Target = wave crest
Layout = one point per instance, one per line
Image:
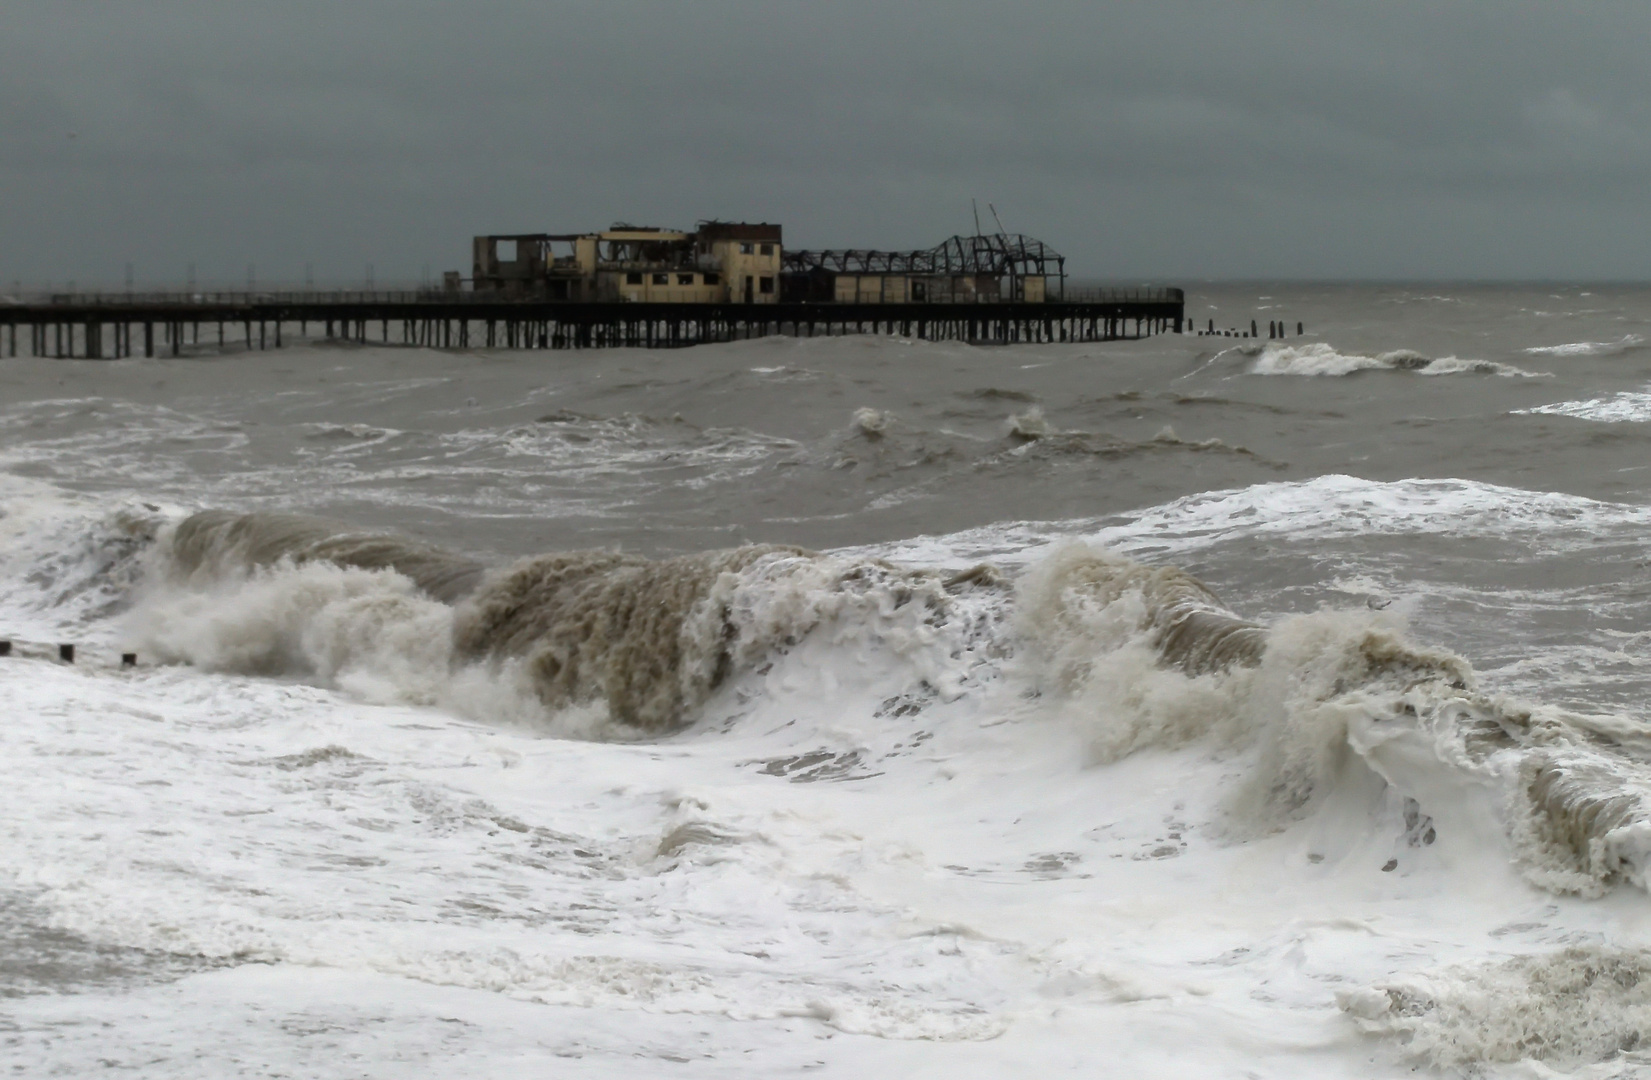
(615, 645)
(1319, 358)
(212, 543)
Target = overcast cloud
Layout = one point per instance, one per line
(1165, 141)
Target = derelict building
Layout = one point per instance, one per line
(741, 262)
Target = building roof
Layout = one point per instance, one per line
(1001, 254)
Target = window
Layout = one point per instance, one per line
(685, 279)
(745, 249)
(662, 279)
(505, 251)
(768, 249)
(713, 279)
(765, 284)
(633, 278)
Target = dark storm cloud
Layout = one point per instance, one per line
(1167, 140)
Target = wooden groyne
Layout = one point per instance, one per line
(112, 326)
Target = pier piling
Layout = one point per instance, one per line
(445, 322)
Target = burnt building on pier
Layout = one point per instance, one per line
(739, 262)
(964, 270)
(718, 263)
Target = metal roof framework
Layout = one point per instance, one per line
(1000, 255)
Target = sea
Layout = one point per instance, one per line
(1206, 705)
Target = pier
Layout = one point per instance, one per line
(107, 326)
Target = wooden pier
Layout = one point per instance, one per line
(110, 326)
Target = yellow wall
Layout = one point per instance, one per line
(737, 266)
(612, 285)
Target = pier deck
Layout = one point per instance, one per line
(115, 325)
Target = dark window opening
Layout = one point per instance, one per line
(765, 285)
(662, 279)
(713, 279)
(768, 249)
(685, 279)
(745, 249)
(633, 278)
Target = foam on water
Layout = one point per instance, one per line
(1623, 407)
(1320, 358)
(1590, 348)
(390, 841)
(1576, 1007)
(830, 789)
(639, 646)
(1324, 508)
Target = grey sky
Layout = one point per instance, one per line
(1167, 141)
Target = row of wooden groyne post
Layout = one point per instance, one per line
(65, 653)
(1276, 330)
(113, 327)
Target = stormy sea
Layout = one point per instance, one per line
(1203, 705)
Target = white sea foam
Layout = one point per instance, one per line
(1590, 348)
(1623, 407)
(870, 423)
(1327, 507)
(1570, 1008)
(974, 823)
(1028, 425)
(1319, 358)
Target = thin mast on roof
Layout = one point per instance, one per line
(976, 208)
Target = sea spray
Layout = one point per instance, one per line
(610, 644)
(212, 543)
(1147, 656)
(370, 632)
(642, 643)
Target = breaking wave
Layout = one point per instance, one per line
(1310, 713)
(1147, 656)
(1033, 436)
(213, 543)
(611, 645)
(1318, 358)
(1590, 348)
(617, 641)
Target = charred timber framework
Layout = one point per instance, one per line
(112, 327)
(1001, 255)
